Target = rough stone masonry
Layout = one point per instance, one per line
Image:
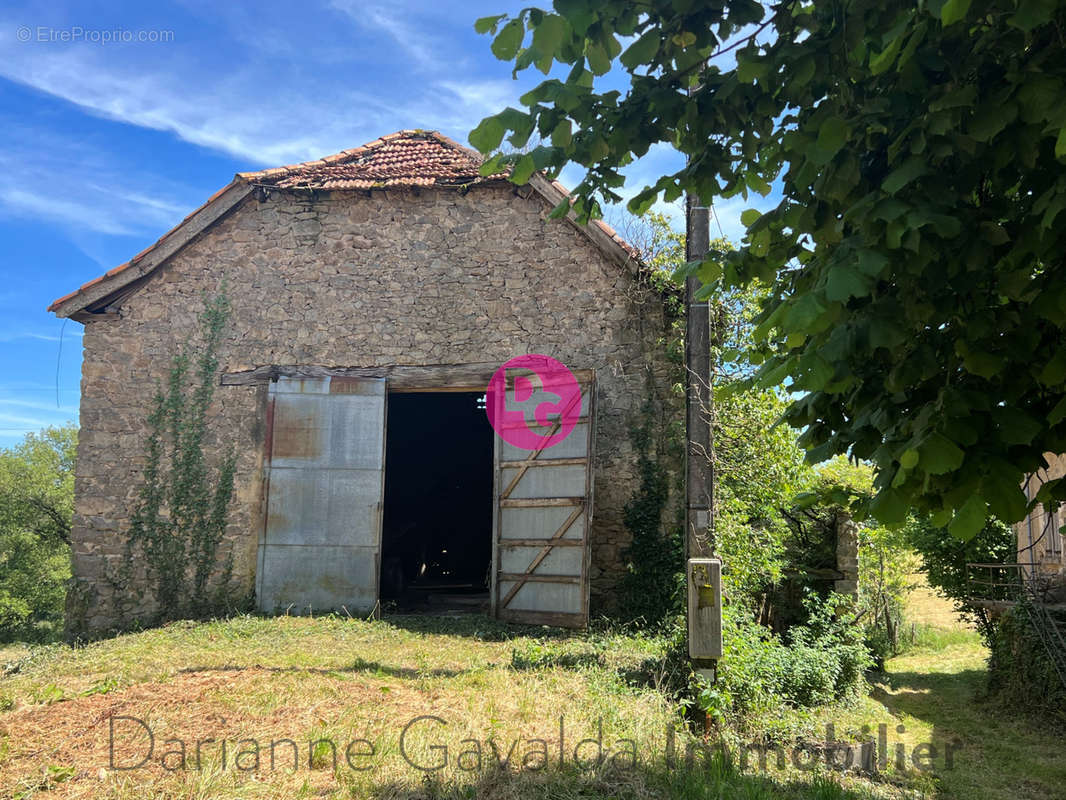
(357, 279)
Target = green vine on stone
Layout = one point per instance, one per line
(182, 509)
(652, 589)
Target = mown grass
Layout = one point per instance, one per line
(481, 696)
(467, 685)
(936, 690)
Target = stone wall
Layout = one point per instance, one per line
(356, 280)
(1040, 541)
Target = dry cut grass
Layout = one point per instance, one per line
(290, 707)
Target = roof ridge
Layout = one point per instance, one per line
(349, 155)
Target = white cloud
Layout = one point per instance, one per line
(269, 121)
(34, 405)
(11, 336)
(68, 181)
(22, 422)
(45, 205)
(420, 47)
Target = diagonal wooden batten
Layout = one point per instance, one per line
(577, 512)
(536, 453)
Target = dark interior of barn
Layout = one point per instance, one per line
(437, 526)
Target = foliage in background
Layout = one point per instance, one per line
(887, 559)
(776, 550)
(945, 559)
(887, 563)
(759, 470)
(181, 515)
(36, 507)
(918, 304)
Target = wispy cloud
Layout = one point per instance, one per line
(14, 336)
(38, 205)
(292, 115)
(9, 402)
(419, 46)
(74, 183)
(26, 423)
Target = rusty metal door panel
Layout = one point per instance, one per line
(307, 580)
(322, 507)
(544, 506)
(320, 546)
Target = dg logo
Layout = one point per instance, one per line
(533, 402)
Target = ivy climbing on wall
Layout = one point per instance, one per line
(653, 588)
(182, 509)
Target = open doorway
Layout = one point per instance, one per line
(437, 526)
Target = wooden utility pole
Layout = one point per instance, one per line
(699, 471)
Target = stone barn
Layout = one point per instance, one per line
(373, 295)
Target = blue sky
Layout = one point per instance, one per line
(108, 144)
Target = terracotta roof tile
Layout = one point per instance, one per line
(407, 158)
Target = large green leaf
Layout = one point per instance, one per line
(832, 134)
(486, 24)
(912, 168)
(488, 135)
(1054, 372)
(599, 61)
(750, 68)
(1032, 14)
(1017, 427)
(750, 216)
(939, 455)
(843, 283)
(1005, 499)
(889, 506)
(523, 169)
(1058, 413)
(550, 34)
(969, 519)
(643, 50)
(505, 45)
(953, 10)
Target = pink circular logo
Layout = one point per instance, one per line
(533, 402)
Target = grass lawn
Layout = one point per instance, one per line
(330, 700)
(935, 691)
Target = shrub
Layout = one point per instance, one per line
(821, 662)
(1020, 672)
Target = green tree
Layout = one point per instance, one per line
(36, 507)
(945, 561)
(918, 304)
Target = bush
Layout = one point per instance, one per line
(820, 662)
(1020, 672)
